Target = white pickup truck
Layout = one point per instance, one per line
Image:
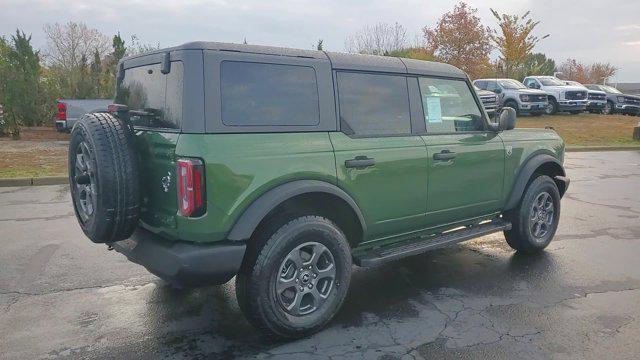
(562, 97)
(71, 110)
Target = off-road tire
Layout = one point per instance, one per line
(255, 282)
(113, 175)
(521, 237)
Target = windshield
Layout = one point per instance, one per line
(551, 81)
(511, 84)
(610, 90)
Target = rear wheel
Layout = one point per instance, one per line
(103, 175)
(535, 220)
(295, 277)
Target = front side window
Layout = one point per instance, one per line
(512, 84)
(373, 104)
(492, 86)
(449, 106)
(551, 81)
(259, 94)
(610, 90)
(154, 99)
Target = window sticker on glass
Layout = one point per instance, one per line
(434, 109)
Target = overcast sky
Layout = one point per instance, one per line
(588, 30)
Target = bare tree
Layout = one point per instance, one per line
(68, 44)
(596, 73)
(378, 39)
(600, 72)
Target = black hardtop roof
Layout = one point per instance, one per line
(341, 61)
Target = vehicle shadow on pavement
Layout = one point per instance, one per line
(207, 321)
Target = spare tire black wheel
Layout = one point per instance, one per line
(104, 178)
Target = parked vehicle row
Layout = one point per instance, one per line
(549, 95)
(617, 102)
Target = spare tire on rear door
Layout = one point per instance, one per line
(103, 174)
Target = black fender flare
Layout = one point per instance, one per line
(253, 215)
(522, 179)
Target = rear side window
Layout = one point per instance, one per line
(373, 104)
(154, 99)
(258, 94)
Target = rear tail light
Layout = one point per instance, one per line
(62, 111)
(191, 187)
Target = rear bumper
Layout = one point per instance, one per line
(183, 263)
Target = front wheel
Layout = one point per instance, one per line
(552, 107)
(535, 220)
(608, 108)
(295, 277)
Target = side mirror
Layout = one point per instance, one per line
(497, 91)
(507, 119)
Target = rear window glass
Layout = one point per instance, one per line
(257, 94)
(373, 105)
(153, 98)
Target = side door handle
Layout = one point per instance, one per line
(444, 155)
(360, 162)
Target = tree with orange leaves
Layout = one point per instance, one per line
(461, 40)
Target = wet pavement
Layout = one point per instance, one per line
(63, 297)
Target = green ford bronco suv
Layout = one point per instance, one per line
(284, 167)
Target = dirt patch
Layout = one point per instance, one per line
(22, 158)
(42, 133)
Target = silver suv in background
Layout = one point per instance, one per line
(562, 97)
(489, 101)
(617, 102)
(69, 111)
(596, 100)
(512, 93)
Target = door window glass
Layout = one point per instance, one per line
(449, 106)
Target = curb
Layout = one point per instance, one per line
(36, 181)
(601, 148)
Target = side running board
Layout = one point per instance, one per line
(403, 249)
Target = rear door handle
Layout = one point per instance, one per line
(360, 162)
(444, 155)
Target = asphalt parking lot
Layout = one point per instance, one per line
(63, 297)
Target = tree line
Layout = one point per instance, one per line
(459, 38)
(78, 62)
